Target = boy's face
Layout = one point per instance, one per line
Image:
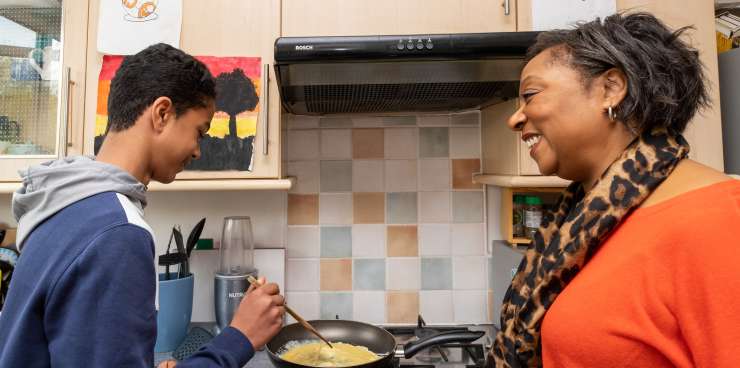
(179, 142)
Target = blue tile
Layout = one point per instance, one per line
(369, 274)
(434, 142)
(336, 176)
(336, 304)
(401, 208)
(436, 274)
(336, 242)
(467, 207)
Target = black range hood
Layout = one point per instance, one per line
(411, 73)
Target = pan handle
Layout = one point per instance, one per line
(413, 347)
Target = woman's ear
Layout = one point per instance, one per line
(615, 87)
(161, 112)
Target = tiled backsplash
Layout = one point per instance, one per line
(384, 221)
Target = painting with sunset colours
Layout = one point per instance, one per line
(228, 145)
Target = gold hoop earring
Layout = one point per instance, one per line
(610, 112)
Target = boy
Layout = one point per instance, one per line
(83, 291)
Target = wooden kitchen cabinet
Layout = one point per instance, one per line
(45, 104)
(392, 17)
(704, 133)
(549, 197)
(216, 28)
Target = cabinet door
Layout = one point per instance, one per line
(219, 28)
(392, 17)
(504, 152)
(41, 79)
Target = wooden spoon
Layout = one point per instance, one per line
(295, 315)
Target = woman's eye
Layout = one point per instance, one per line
(526, 96)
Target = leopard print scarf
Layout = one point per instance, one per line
(569, 237)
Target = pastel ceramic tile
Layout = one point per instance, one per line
(303, 145)
(402, 241)
(434, 120)
(336, 176)
(368, 143)
(490, 308)
(434, 207)
(400, 175)
(369, 208)
(468, 239)
(462, 173)
(468, 273)
(470, 306)
(436, 306)
(467, 118)
(302, 275)
(305, 303)
(303, 242)
(434, 174)
(302, 122)
(367, 122)
(402, 307)
(335, 122)
(368, 241)
(434, 142)
(464, 143)
(368, 306)
(400, 143)
(404, 273)
(336, 242)
(369, 274)
(367, 176)
(434, 240)
(436, 273)
(303, 209)
(336, 306)
(467, 207)
(271, 265)
(336, 274)
(409, 120)
(401, 208)
(336, 144)
(306, 174)
(335, 209)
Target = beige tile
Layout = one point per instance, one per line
(402, 307)
(368, 143)
(402, 241)
(303, 209)
(336, 274)
(462, 173)
(369, 208)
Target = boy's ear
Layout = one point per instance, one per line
(161, 112)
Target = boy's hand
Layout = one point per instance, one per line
(260, 314)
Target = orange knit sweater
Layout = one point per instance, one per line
(663, 290)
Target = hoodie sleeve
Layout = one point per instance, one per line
(101, 310)
(230, 349)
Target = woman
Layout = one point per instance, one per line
(637, 267)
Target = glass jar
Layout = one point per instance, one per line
(532, 215)
(518, 216)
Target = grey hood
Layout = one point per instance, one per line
(51, 186)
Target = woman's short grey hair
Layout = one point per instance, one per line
(665, 78)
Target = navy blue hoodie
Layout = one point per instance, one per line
(83, 292)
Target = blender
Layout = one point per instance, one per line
(236, 263)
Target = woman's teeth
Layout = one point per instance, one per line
(531, 141)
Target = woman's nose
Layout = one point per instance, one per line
(517, 119)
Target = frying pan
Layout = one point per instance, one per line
(372, 337)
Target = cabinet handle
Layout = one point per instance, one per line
(265, 108)
(64, 118)
(507, 7)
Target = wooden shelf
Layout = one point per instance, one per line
(199, 185)
(510, 181)
(734, 176)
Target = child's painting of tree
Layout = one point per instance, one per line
(229, 143)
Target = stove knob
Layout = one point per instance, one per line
(410, 46)
(399, 46)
